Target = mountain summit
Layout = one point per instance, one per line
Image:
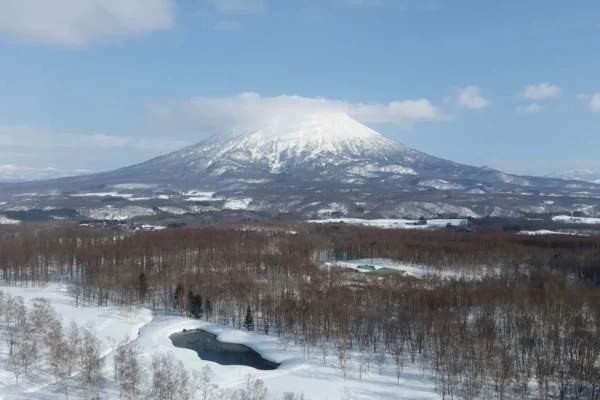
(324, 143)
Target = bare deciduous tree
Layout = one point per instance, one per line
(91, 363)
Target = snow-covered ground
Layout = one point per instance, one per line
(409, 269)
(7, 221)
(312, 376)
(131, 186)
(576, 220)
(117, 213)
(237, 204)
(112, 325)
(102, 194)
(392, 223)
(379, 264)
(546, 232)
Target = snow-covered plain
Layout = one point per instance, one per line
(112, 325)
(576, 220)
(392, 223)
(102, 194)
(237, 204)
(117, 213)
(378, 264)
(7, 221)
(410, 269)
(545, 232)
(297, 373)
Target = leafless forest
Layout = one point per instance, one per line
(524, 323)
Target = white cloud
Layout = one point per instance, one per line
(530, 108)
(470, 97)
(30, 137)
(250, 109)
(595, 103)
(247, 7)
(542, 91)
(80, 22)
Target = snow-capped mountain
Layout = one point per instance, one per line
(14, 173)
(312, 147)
(315, 164)
(587, 175)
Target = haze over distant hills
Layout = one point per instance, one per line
(314, 164)
(14, 173)
(579, 175)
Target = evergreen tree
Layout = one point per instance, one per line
(249, 321)
(178, 297)
(191, 304)
(208, 309)
(142, 288)
(198, 309)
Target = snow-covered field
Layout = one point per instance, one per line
(111, 324)
(102, 194)
(392, 223)
(7, 221)
(298, 373)
(545, 232)
(237, 204)
(576, 220)
(409, 269)
(117, 213)
(379, 264)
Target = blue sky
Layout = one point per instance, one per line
(99, 84)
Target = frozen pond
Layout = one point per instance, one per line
(209, 348)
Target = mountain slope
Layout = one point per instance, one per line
(324, 162)
(311, 147)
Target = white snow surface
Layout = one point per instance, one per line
(7, 221)
(372, 170)
(102, 194)
(110, 323)
(476, 191)
(415, 209)
(333, 207)
(284, 141)
(296, 373)
(575, 220)
(545, 232)
(392, 223)
(131, 186)
(237, 204)
(440, 184)
(173, 210)
(415, 270)
(117, 213)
